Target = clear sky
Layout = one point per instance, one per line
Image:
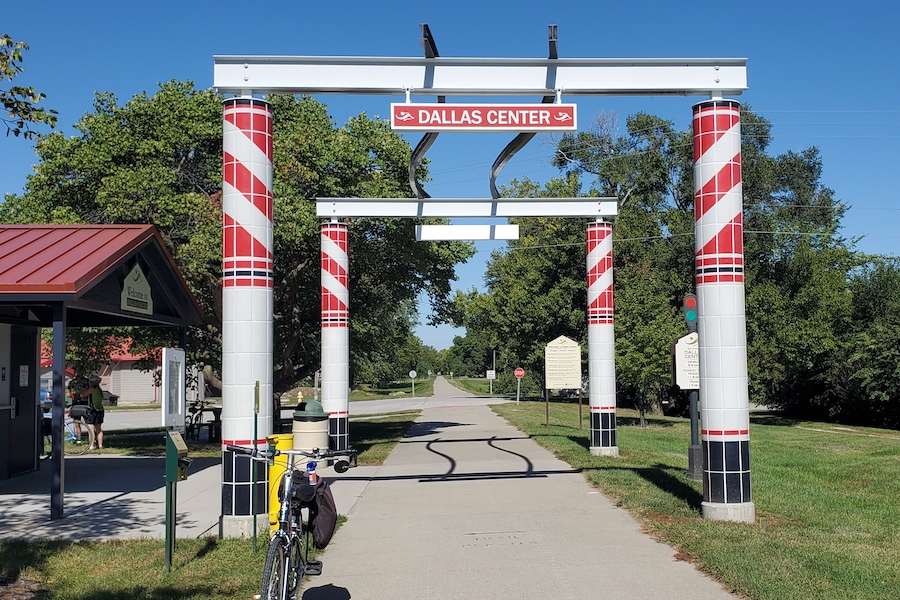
(825, 74)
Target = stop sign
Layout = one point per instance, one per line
(520, 373)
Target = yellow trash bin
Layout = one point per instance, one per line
(284, 441)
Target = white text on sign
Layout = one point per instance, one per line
(483, 117)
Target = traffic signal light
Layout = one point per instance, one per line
(689, 308)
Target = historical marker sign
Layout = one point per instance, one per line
(483, 117)
(562, 364)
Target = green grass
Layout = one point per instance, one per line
(826, 498)
(202, 569)
(207, 569)
(375, 437)
(397, 389)
(479, 387)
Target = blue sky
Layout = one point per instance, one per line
(825, 74)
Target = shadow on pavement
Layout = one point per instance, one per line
(326, 592)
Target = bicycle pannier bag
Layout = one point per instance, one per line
(325, 519)
(79, 411)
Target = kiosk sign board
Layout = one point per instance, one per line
(483, 117)
(686, 369)
(562, 364)
(174, 399)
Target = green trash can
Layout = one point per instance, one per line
(310, 429)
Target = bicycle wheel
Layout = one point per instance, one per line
(295, 568)
(275, 577)
(78, 437)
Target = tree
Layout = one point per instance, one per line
(18, 101)
(157, 159)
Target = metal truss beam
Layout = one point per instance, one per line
(478, 76)
(337, 208)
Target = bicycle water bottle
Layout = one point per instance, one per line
(311, 472)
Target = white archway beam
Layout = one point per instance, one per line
(465, 207)
(478, 76)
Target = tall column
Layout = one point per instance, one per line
(247, 304)
(601, 340)
(722, 328)
(336, 332)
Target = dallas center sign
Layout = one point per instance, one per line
(483, 117)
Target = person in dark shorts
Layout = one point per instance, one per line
(94, 419)
(77, 387)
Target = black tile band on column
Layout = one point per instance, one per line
(726, 471)
(339, 433)
(237, 483)
(603, 430)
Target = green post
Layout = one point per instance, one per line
(253, 463)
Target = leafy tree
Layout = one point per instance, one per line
(18, 101)
(158, 160)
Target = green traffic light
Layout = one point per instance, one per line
(690, 315)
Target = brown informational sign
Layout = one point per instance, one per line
(562, 364)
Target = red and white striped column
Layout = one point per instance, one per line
(335, 278)
(247, 304)
(601, 340)
(722, 328)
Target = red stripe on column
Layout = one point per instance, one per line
(729, 240)
(243, 180)
(713, 190)
(711, 128)
(238, 242)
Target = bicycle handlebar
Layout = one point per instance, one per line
(316, 454)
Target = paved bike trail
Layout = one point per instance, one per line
(467, 506)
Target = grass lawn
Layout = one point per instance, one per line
(397, 389)
(827, 500)
(202, 569)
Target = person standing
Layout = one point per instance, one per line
(94, 419)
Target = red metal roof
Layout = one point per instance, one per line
(62, 258)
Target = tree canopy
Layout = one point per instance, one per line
(821, 316)
(158, 159)
(19, 101)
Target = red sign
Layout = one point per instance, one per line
(520, 373)
(483, 117)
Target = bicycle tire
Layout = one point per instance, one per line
(275, 579)
(74, 444)
(296, 568)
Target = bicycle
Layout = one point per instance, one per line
(287, 559)
(193, 421)
(78, 438)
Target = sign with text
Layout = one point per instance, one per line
(562, 364)
(483, 117)
(686, 367)
(173, 381)
(136, 294)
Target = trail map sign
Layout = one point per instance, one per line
(562, 364)
(483, 117)
(686, 368)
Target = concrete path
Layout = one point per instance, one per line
(468, 507)
(465, 507)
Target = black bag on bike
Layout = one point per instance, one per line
(323, 515)
(320, 501)
(79, 411)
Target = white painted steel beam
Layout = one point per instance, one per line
(433, 233)
(465, 207)
(478, 76)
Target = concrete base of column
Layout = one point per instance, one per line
(741, 512)
(605, 451)
(242, 527)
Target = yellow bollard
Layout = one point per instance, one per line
(283, 441)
